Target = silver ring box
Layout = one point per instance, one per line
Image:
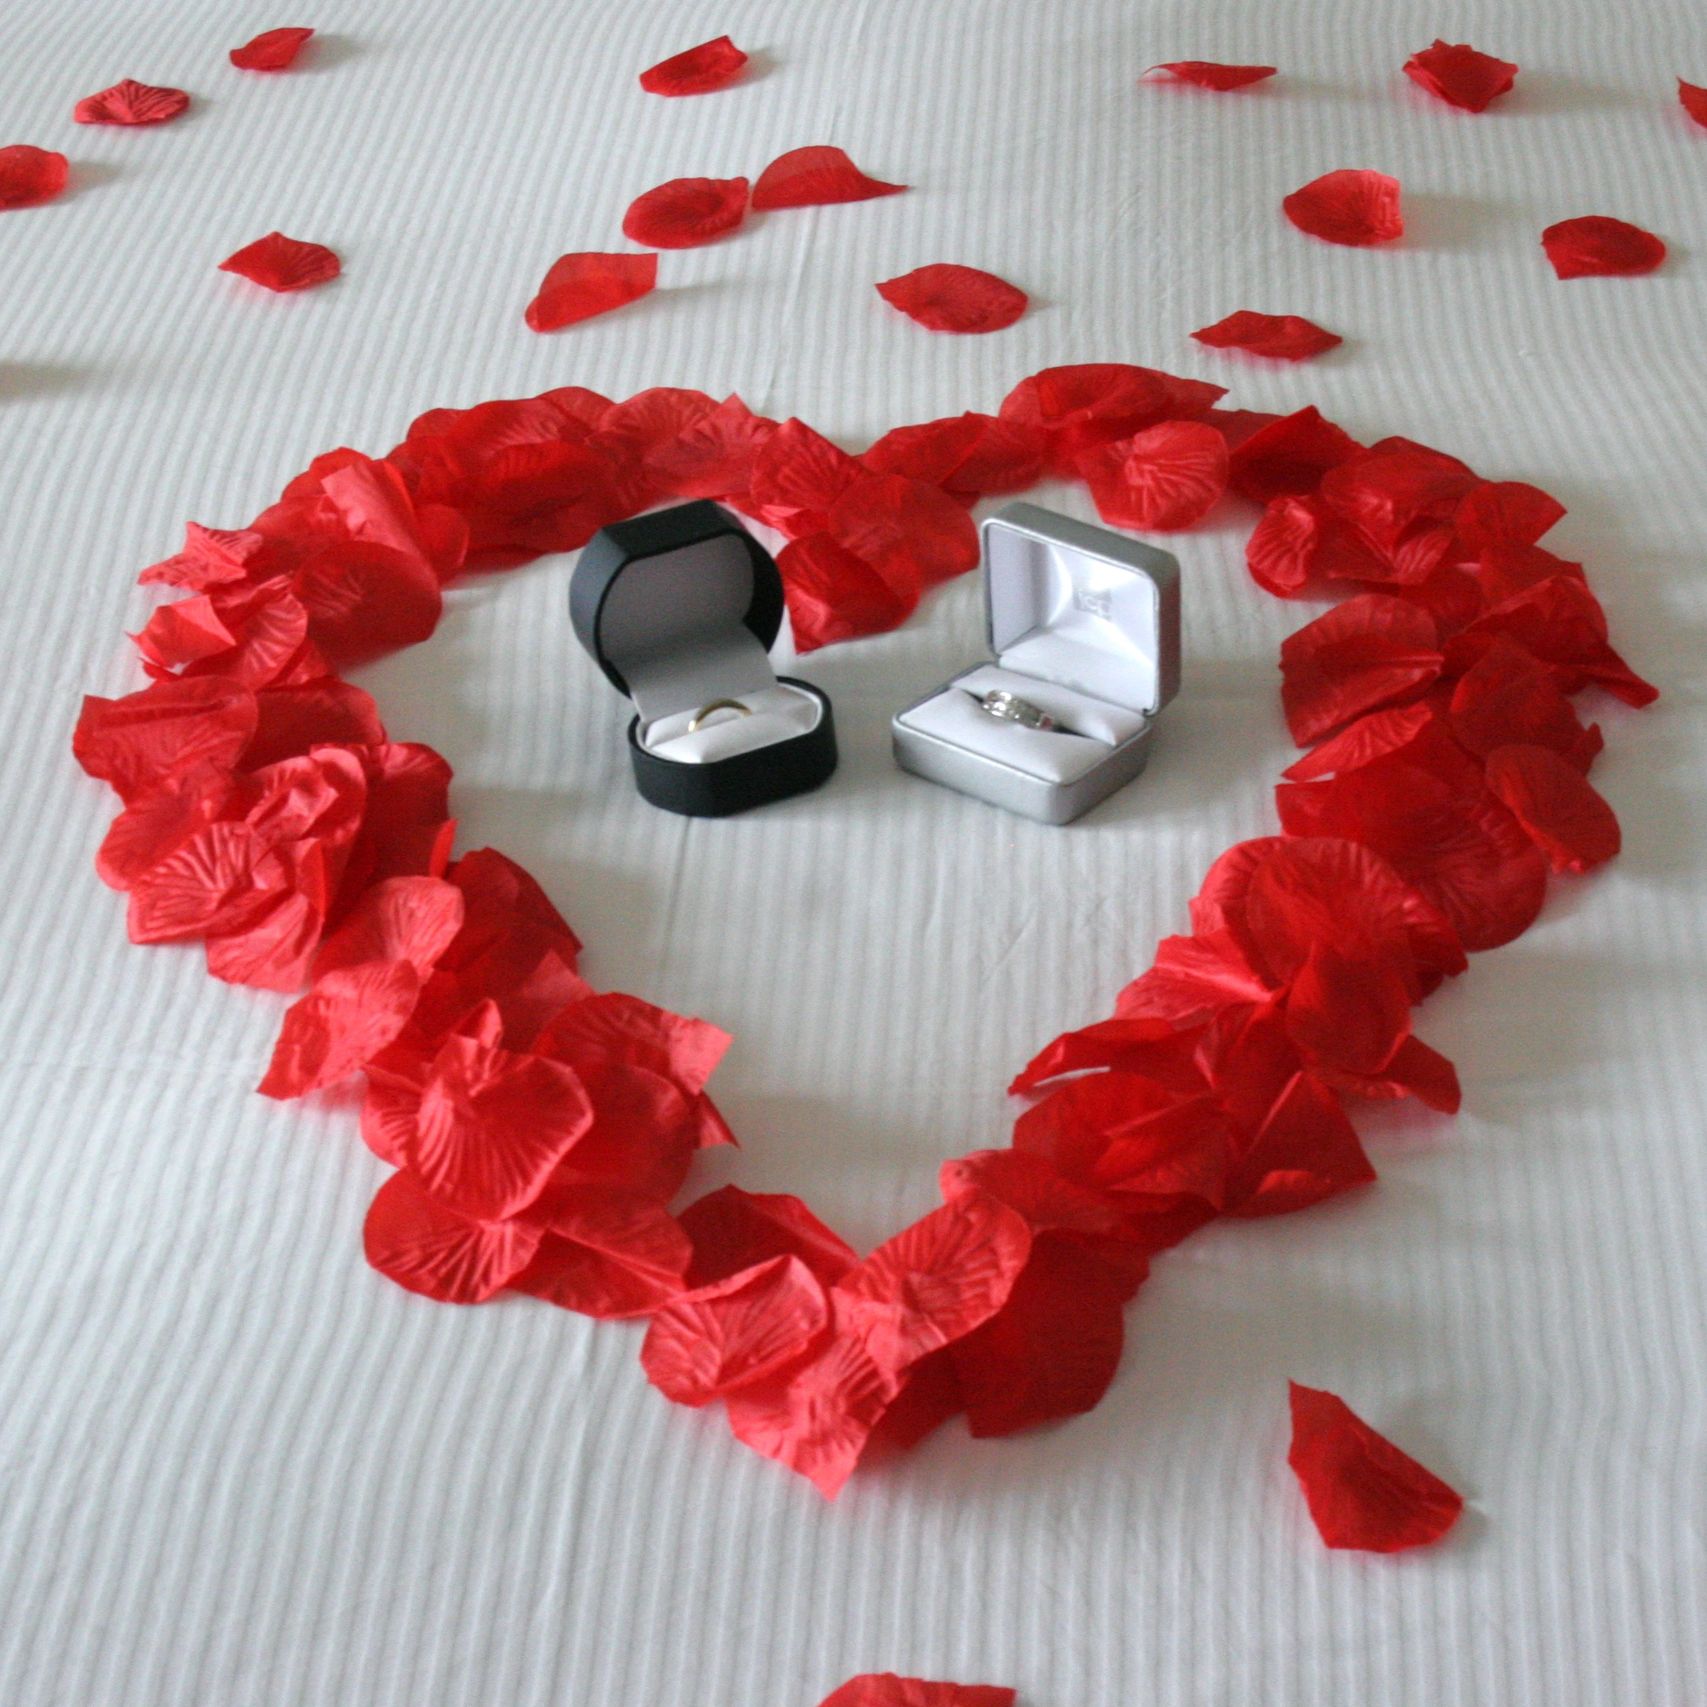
(1084, 623)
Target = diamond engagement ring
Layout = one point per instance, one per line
(717, 705)
(1010, 708)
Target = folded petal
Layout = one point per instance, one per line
(809, 177)
(1362, 1491)
(1354, 206)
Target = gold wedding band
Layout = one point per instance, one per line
(717, 705)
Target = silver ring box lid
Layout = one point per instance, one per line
(1078, 607)
(1083, 606)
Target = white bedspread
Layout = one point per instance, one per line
(238, 1469)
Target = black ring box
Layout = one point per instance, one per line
(681, 607)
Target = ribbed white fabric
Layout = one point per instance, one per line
(237, 1469)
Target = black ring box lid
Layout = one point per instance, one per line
(698, 626)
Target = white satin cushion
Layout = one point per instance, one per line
(778, 713)
(1089, 728)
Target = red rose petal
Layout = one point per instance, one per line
(819, 1420)
(427, 1247)
(686, 212)
(1507, 696)
(935, 1281)
(798, 471)
(131, 102)
(211, 557)
(1362, 654)
(1347, 1013)
(610, 1252)
(283, 263)
(1305, 1152)
(1694, 100)
(164, 731)
(696, 71)
(1505, 513)
(885, 1689)
(493, 1125)
(946, 297)
(1080, 407)
(1559, 621)
(1281, 898)
(340, 1025)
(813, 177)
(159, 822)
(1464, 851)
(1553, 801)
(1207, 74)
(1050, 1351)
(29, 176)
(1286, 337)
(1123, 1133)
(578, 286)
(713, 456)
(1596, 246)
(1363, 1492)
(751, 1327)
(732, 1230)
(835, 595)
(1287, 458)
(1164, 478)
(413, 919)
(271, 50)
(1457, 73)
(1361, 743)
(1354, 206)
(912, 533)
(311, 714)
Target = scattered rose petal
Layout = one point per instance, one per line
(428, 1247)
(1555, 803)
(29, 176)
(1354, 206)
(1164, 478)
(340, 1025)
(283, 263)
(936, 1281)
(885, 1689)
(1360, 655)
(748, 1328)
(686, 212)
(493, 1125)
(1596, 246)
(1460, 75)
(1050, 1351)
(164, 731)
(732, 1230)
(1088, 404)
(1207, 74)
(131, 103)
(1694, 100)
(696, 71)
(814, 176)
(1286, 337)
(578, 286)
(1363, 1492)
(946, 297)
(834, 594)
(610, 1252)
(1288, 457)
(271, 50)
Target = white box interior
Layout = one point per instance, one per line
(674, 626)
